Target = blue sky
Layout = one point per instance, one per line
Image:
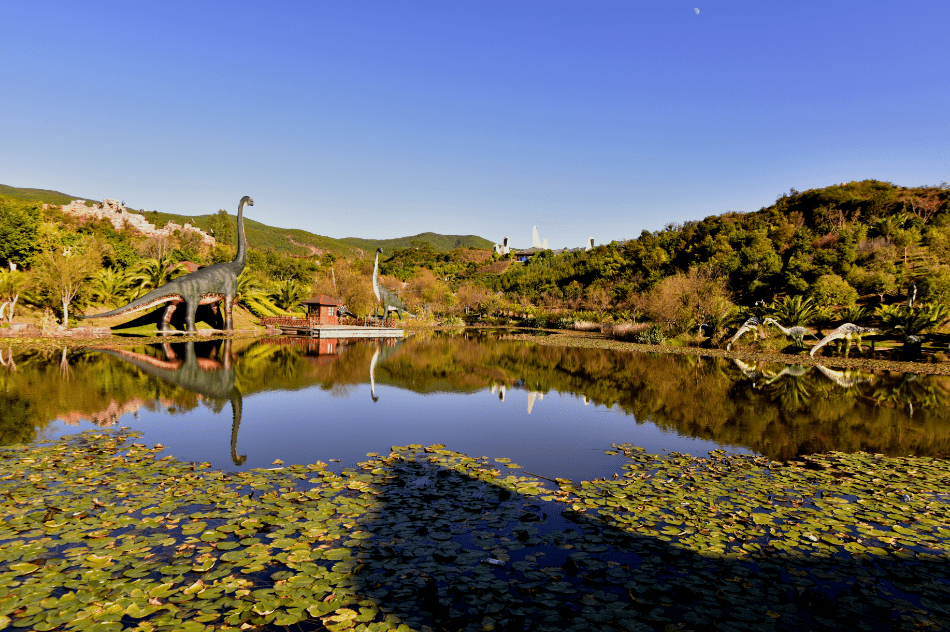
(387, 119)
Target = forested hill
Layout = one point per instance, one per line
(269, 237)
(441, 243)
(874, 234)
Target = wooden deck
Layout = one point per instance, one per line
(340, 331)
(353, 329)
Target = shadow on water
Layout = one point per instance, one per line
(211, 377)
(440, 547)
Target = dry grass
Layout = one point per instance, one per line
(586, 325)
(623, 331)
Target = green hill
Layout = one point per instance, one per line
(269, 237)
(441, 243)
(43, 196)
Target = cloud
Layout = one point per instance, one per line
(697, 11)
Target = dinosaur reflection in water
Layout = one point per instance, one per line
(209, 377)
(383, 349)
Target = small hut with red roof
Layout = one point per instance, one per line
(323, 310)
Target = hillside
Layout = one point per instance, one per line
(43, 196)
(292, 240)
(441, 243)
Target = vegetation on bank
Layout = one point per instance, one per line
(870, 253)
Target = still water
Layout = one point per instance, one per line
(552, 410)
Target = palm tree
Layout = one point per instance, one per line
(157, 272)
(114, 286)
(287, 293)
(252, 295)
(794, 311)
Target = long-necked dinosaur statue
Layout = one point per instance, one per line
(202, 287)
(206, 376)
(796, 333)
(390, 301)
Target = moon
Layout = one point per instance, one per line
(697, 11)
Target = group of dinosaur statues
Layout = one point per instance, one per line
(848, 331)
(218, 282)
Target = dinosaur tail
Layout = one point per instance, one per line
(155, 297)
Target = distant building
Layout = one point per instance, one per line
(323, 309)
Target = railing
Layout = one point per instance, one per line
(290, 321)
(295, 321)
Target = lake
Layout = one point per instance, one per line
(552, 410)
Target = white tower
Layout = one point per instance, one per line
(535, 239)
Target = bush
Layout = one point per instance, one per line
(653, 335)
(586, 325)
(936, 288)
(831, 289)
(624, 331)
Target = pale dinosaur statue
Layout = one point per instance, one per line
(846, 331)
(792, 370)
(846, 378)
(751, 324)
(390, 301)
(797, 334)
(202, 287)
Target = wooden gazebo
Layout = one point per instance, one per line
(323, 310)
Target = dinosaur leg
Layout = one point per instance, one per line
(228, 307)
(190, 316)
(167, 315)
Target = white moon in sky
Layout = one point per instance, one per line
(697, 11)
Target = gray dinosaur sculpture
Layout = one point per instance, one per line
(797, 334)
(202, 287)
(390, 301)
(211, 378)
(751, 324)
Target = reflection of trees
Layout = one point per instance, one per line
(777, 410)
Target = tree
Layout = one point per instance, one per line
(12, 283)
(115, 286)
(64, 272)
(18, 231)
(288, 294)
(222, 228)
(831, 289)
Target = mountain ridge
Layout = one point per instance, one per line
(259, 235)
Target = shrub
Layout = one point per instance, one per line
(652, 335)
(624, 331)
(831, 289)
(586, 325)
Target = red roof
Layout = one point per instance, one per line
(323, 299)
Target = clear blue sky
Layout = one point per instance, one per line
(386, 119)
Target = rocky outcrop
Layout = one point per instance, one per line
(121, 217)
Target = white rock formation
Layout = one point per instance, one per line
(115, 212)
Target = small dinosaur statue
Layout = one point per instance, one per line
(202, 287)
(848, 331)
(390, 301)
(797, 334)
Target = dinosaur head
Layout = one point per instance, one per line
(247, 199)
(379, 250)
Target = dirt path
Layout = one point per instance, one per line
(313, 249)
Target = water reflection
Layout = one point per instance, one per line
(211, 376)
(773, 409)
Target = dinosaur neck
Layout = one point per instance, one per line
(376, 278)
(241, 257)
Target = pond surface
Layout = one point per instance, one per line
(552, 410)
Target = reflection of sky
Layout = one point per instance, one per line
(562, 437)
